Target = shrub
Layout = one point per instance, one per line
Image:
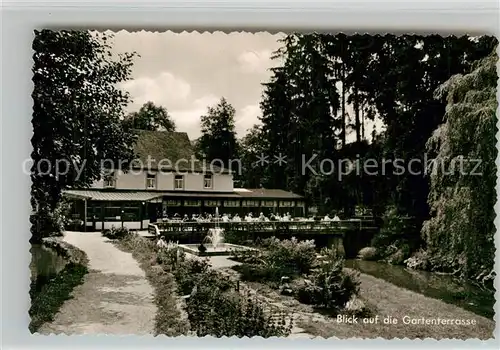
(263, 272)
(222, 312)
(419, 260)
(309, 294)
(116, 233)
(331, 286)
(216, 280)
(238, 237)
(292, 254)
(170, 256)
(399, 255)
(368, 253)
(277, 258)
(336, 286)
(248, 256)
(188, 273)
(46, 223)
(398, 234)
(136, 243)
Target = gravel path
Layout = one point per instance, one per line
(115, 298)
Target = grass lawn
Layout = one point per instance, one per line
(383, 299)
(396, 302)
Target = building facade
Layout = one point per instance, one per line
(166, 181)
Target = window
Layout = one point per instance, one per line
(172, 203)
(233, 204)
(94, 210)
(179, 182)
(269, 204)
(287, 204)
(151, 181)
(192, 203)
(131, 212)
(112, 212)
(250, 203)
(212, 203)
(207, 181)
(109, 180)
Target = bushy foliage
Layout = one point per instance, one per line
(137, 244)
(77, 107)
(398, 236)
(291, 254)
(116, 232)
(188, 273)
(150, 117)
(218, 136)
(368, 253)
(462, 194)
(263, 272)
(170, 256)
(47, 223)
(330, 286)
(248, 256)
(239, 237)
(276, 259)
(214, 306)
(191, 273)
(216, 310)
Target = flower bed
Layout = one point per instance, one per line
(211, 304)
(294, 268)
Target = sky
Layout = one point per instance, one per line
(187, 72)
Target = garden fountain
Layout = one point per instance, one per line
(217, 246)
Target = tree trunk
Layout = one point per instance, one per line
(363, 122)
(356, 111)
(343, 104)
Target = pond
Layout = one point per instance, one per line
(434, 285)
(45, 264)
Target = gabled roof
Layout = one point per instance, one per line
(169, 151)
(162, 145)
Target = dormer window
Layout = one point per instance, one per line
(110, 180)
(179, 182)
(151, 181)
(207, 181)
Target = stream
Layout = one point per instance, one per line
(434, 285)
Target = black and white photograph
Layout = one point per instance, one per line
(293, 184)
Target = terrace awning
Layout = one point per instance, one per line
(261, 193)
(128, 196)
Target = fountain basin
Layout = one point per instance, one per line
(225, 249)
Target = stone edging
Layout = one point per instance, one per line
(48, 301)
(66, 250)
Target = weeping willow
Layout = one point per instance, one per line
(460, 233)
